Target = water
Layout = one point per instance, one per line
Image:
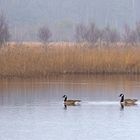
(33, 109)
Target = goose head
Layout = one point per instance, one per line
(121, 95)
(65, 97)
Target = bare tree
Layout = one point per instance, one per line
(93, 33)
(81, 33)
(129, 36)
(44, 34)
(110, 35)
(4, 30)
(138, 31)
(88, 33)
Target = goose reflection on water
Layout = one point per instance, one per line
(65, 107)
(122, 107)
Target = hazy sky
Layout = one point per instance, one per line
(26, 16)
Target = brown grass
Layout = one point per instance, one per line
(30, 60)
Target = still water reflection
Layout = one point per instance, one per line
(33, 109)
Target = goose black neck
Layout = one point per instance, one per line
(122, 99)
(65, 99)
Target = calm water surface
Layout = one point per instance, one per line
(33, 109)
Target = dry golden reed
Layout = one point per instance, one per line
(30, 60)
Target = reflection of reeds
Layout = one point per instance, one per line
(35, 61)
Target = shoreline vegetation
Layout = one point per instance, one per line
(32, 60)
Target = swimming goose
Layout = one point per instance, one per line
(70, 102)
(127, 102)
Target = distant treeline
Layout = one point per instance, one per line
(90, 33)
(93, 34)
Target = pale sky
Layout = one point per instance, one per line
(26, 16)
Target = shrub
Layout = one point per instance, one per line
(44, 34)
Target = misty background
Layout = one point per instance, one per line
(25, 17)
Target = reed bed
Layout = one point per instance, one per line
(28, 60)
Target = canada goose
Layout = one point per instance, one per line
(70, 102)
(127, 102)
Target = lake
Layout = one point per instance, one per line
(32, 109)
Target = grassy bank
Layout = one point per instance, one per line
(33, 60)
